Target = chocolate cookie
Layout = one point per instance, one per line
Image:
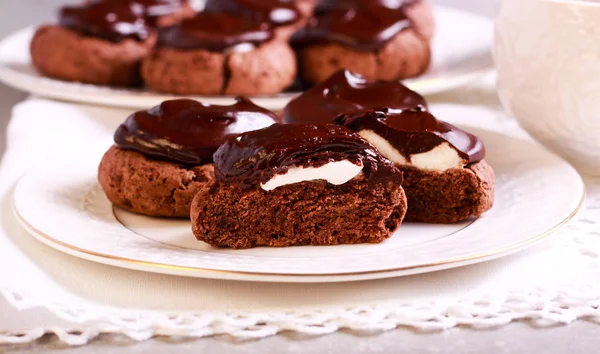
(219, 53)
(446, 178)
(298, 184)
(381, 40)
(162, 157)
(97, 43)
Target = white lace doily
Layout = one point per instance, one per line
(556, 282)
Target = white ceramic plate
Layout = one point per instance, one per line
(461, 52)
(63, 206)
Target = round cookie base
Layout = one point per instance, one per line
(65, 54)
(150, 187)
(404, 56)
(450, 196)
(268, 69)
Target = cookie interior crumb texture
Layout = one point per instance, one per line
(450, 196)
(308, 213)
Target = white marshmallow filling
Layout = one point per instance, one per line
(336, 173)
(441, 158)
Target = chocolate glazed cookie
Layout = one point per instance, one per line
(381, 40)
(298, 184)
(220, 53)
(162, 157)
(446, 178)
(97, 43)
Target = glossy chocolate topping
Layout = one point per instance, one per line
(107, 20)
(253, 158)
(415, 131)
(275, 12)
(326, 5)
(363, 25)
(153, 9)
(347, 93)
(189, 132)
(214, 32)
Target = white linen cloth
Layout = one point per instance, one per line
(555, 282)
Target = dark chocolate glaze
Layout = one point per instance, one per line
(275, 12)
(365, 25)
(189, 132)
(153, 9)
(255, 157)
(108, 20)
(214, 32)
(326, 5)
(415, 131)
(346, 93)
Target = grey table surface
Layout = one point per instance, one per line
(579, 337)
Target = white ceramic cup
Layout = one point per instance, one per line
(548, 57)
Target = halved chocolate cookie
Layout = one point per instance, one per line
(446, 178)
(162, 157)
(299, 184)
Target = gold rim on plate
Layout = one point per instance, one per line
(76, 251)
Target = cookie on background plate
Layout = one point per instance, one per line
(446, 178)
(163, 156)
(219, 53)
(299, 184)
(381, 40)
(100, 43)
